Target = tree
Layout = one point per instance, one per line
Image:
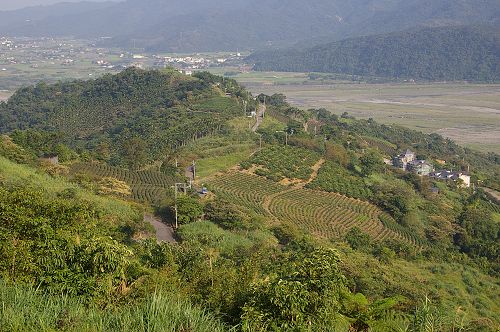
(357, 239)
(134, 152)
(309, 284)
(188, 209)
(371, 162)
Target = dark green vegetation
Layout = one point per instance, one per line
(194, 25)
(278, 162)
(437, 54)
(327, 238)
(126, 119)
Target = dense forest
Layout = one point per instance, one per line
(437, 54)
(126, 119)
(307, 230)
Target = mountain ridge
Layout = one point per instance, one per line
(444, 53)
(196, 25)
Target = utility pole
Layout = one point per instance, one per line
(286, 135)
(175, 207)
(194, 170)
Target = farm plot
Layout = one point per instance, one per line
(327, 215)
(280, 162)
(245, 190)
(147, 186)
(335, 178)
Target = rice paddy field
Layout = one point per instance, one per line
(467, 113)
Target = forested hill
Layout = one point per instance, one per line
(135, 110)
(446, 53)
(200, 25)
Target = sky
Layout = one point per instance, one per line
(17, 4)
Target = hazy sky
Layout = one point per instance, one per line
(16, 4)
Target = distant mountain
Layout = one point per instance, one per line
(445, 53)
(27, 21)
(19, 4)
(199, 25)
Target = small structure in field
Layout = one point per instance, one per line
(51, 159)
(402, 160)
(420, 167)
(452, 176)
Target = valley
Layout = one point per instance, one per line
(467, 113)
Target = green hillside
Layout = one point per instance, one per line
(129, 118)
(311, 231)
(437, 54)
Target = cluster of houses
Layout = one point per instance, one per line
(408, 161)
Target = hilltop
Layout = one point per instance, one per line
(194, 25)
(445, 53)
(143, 112)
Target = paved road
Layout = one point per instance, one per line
(164, 233)
(260, 114)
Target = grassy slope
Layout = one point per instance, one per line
(456, 286)
(20, 174)
(25, 309)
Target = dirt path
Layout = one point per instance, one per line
(260, 114)
(266, 203)
(493, 194)
(164, 233)
(315, 169)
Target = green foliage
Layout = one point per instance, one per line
(279, 162)
(357, 239)
(29, 309)
(371, 162)
(335, 178)
(189, 209)
(307, 286)
(13, 152)
(395, 196)
(224, 214)
(43, 143)
(442, 53)
(479, 233)
(53, 244)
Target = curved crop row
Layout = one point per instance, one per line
(147, 186)
(245, 190)
(328, 215)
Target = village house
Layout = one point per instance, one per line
(402, 160)
(452, 176)
(420, 167)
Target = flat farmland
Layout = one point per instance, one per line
(4, 95)
(466, 113)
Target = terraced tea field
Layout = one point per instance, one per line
(245, 190)
(326, 215)
(147, 186)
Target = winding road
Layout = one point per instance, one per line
(260, 117)
(164, 233)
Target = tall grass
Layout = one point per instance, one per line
(25, 309)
